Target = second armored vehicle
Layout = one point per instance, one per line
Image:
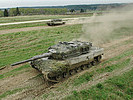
(56, 22)
(64, 59)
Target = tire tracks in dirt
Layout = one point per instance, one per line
(38, 89)
(99, 79)
(25, 29)
(6, 31)
(109, 53)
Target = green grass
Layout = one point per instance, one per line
(109, 68)
(88, 76)
(14, 71)
(23, 45)
(116, 58)
(83, 78)
(22, 25)
(31, 18)
(116, 88)
(45, 96)
(10, 92)
(112, 67)
(37, 17)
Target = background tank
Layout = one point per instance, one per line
(54, 22)
(64, 59)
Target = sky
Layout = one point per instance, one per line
(30, 3)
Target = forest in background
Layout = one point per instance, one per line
(58, 10)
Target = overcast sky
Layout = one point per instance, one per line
(29, 3)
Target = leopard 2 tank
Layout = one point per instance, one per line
(54, 22)
(65, 59)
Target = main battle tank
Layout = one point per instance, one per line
(64, 59)
(54, 22)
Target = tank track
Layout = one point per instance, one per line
(71, 72)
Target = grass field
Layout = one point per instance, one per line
(37, 17)
(32, 18)
(115, 88)
(23, 45)
(118, 87)
(23, 25)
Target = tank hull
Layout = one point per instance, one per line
(55, 22)
(53, 69)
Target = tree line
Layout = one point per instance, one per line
(32, 11)
(52, 10)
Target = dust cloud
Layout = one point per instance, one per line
(99, 29)
(81, 20)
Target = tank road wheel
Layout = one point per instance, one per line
(65, 75)
(63, 56)
(72, 72)
(94, 63)
(78, 69)
(83, 67)
(59, 78)
(48, 24)
(89, 65)
(99, 58)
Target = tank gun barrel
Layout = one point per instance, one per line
(33, 58)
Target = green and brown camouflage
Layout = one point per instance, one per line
(65, 58)
(65, 50)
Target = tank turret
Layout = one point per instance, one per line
(64, 50)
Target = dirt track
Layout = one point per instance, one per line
(109, 53)
(70, 22)
(29, 29)
(101, 78)
(38, 85)
(36, 21)
(24, 29)
(31, 78)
